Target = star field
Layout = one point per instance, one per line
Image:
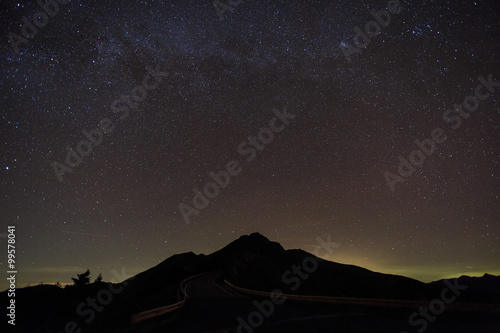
(322, 176)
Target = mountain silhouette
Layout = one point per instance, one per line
(251, 262)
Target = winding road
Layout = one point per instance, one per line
(210, 305)
(210, 285)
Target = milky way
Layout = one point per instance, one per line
(217, 83)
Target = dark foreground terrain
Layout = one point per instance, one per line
(231, 290)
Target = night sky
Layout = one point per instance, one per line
(212, 86)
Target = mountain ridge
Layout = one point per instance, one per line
(252, 262)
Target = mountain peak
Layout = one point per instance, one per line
(254, 242)
(256, 237)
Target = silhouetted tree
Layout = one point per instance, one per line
(82, 279)
(98, 278)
